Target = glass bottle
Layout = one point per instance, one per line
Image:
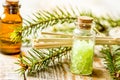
(83, 47)
(10, 20)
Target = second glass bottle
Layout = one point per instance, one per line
(83, 47)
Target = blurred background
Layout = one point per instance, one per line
(99, 7)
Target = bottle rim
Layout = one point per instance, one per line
(7, 4)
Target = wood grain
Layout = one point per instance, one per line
(58, 72)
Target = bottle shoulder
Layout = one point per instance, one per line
(83, 32)
(11, 18)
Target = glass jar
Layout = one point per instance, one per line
(10, 20)
(83, 47)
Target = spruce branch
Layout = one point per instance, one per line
(41, 59)
(43, 19)
(112, 61)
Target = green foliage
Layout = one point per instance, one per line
(41, 59)
(43, 19)
(112, 61)
(15, 35)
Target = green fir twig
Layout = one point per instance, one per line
(112, 61)
(41, 59)
(43, 19)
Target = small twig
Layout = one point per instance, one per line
(52, 33)
(57, 42)
(24, 76)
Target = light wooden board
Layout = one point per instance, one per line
(59, 72)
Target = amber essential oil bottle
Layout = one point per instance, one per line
(10, 19)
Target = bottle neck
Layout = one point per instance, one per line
(11, 8)
(85, 26)
(83, 29)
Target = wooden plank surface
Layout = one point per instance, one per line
(58, 72)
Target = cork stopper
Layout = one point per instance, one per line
(85, 19)
(12, 0)
(85, 22)
(14, 3)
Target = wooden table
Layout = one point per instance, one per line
(60, 72)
